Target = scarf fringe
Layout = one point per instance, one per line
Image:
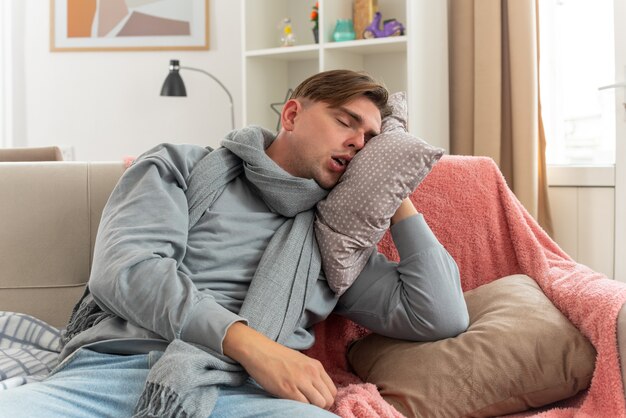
(86, 314)
(159, 401)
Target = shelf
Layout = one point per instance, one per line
(370, 46)
(303, 52)
(287, 53)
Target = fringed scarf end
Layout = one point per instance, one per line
(159, 401)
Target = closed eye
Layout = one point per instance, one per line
(343, 123)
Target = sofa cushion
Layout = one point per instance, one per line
(519, 352)
(357, 212)
(50, 215)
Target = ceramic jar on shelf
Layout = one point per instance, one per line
(344, 31)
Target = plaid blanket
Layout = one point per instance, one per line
(29, 349)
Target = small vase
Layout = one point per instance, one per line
(316, 34)
(344, 31)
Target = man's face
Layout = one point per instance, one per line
(325, 139)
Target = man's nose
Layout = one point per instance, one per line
(357, 140)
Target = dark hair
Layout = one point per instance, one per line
(338, 87)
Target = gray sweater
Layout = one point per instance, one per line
(163, 281)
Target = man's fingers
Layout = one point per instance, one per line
(314, 396)
(299, 396)
(330, 384)
(323, 385)
(325, 391)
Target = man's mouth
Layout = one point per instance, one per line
(338, 163)
(341, 161)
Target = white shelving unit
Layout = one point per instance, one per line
(416, 62)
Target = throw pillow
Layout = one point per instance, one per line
(519, 352)
(357, 212)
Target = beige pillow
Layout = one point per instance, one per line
(519, 352)
(357, 212)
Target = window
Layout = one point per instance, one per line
(577, 56)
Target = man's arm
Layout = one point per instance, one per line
(281, 371)
(141, 242)
(405, 210)
(420, 298)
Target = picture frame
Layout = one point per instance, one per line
(129, 25)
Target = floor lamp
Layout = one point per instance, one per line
(174, 86)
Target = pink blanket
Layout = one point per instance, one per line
(468, 205)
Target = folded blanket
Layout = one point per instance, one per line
(28, 349)
(477, 218)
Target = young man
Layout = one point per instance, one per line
(215, 250)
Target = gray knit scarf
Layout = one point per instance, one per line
(184, 381)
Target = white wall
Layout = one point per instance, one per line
(106, 105)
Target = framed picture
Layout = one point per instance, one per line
(135, 25)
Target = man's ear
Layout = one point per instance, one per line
(291, 109)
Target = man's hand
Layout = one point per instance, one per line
(405, 210)
(281, 371)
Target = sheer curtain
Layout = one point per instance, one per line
(6, 91)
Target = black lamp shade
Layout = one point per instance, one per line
(173, 84)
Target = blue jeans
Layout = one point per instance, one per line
(92, 384)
